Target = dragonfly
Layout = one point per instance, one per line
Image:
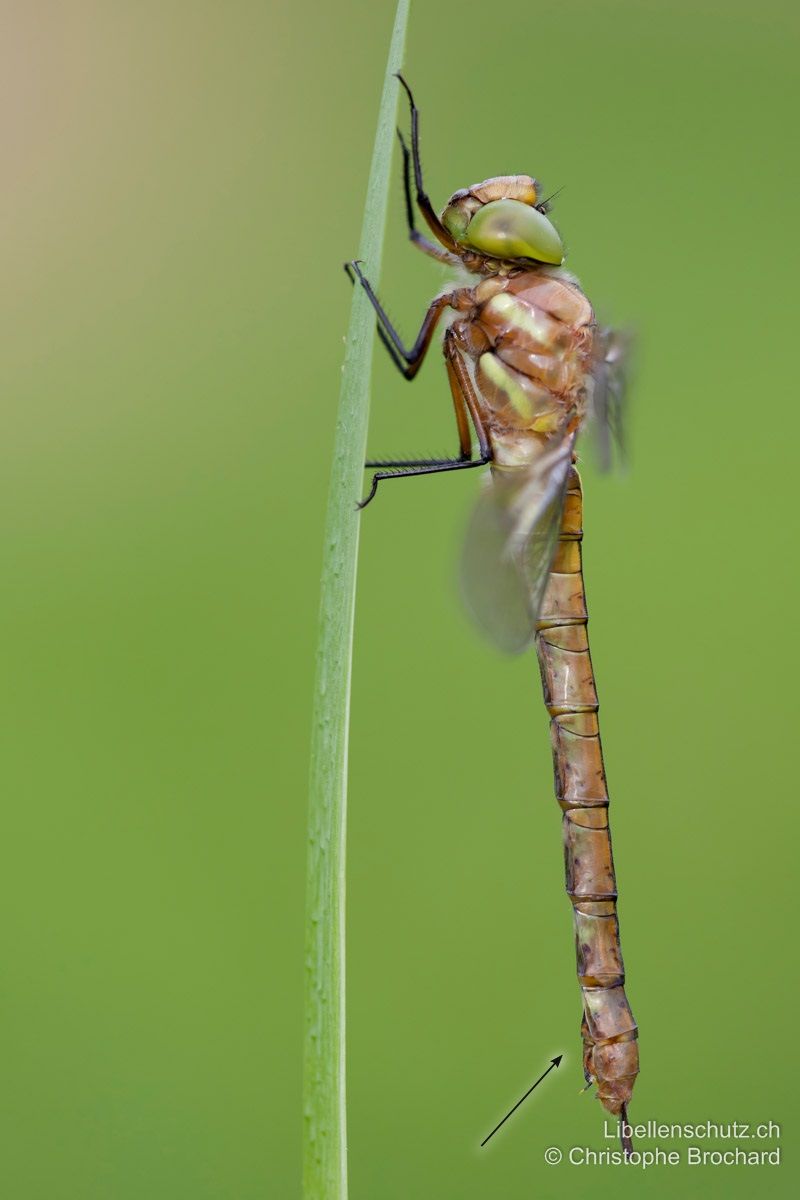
(528, 367)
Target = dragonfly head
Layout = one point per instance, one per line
(503, 218)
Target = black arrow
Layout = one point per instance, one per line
(553, 1063)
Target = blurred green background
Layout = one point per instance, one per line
(182, 184)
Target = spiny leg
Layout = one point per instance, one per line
(431, 466)
(413, 358)
(465, 406)
(424, 244)
(464, 437)
(387, 345)
(423, 201)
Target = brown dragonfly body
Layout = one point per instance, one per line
(530, 338)
(526, 363)
(611, 1053)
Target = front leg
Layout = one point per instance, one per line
(422, 243)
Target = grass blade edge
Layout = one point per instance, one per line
(324, 1106)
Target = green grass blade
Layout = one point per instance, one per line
(325, 1133)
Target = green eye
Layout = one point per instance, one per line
(455, 221)
(511, 229)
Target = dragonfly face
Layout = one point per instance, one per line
(503, 220)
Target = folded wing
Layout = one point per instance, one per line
(607, 392)
(510, 543)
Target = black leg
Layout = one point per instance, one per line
(425, 206)
(404, 469)
(466, 405)
(424, 244)
(413, 358)
(390, 350)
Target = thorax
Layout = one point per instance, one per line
(529, 339)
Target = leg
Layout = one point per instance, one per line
(464, 393)
(461, 411)
(426, 246)
(389, 348)
(413, 358)
(425, 206)
(431, 466)
(464, 401)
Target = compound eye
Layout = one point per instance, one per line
(510, 229)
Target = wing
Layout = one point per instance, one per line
(610, 371)
(510, 543)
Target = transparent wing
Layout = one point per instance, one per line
(510, 543)
(610, 372)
